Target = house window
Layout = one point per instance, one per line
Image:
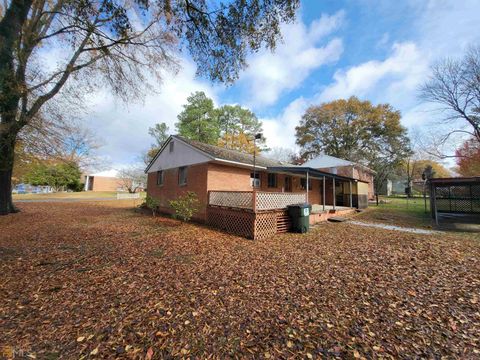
(172, 145)
(160, 176)
(272, 180)
(255, 180)
(303, 184)
(182, 175)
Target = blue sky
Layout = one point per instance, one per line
(377, 50)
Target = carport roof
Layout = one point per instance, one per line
(455, 180)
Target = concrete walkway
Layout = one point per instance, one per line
(393, 227)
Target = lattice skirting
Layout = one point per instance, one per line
(246, 223)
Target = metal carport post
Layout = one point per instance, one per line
(334, 199)
(351, 197)
(323, 196)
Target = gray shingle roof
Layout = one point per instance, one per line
(326, 161)
(230, 155)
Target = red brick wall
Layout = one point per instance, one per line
(170, 190)
(102, 183)
(228, 178)
(210, 176)
(356, 173)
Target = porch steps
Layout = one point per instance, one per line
(283, 223)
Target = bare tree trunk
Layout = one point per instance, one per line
(7, 147)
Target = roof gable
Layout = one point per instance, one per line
(190, 152)
(183, 154)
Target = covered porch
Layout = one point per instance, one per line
(326, 192)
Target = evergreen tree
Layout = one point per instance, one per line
(238, 127)
(198, 120)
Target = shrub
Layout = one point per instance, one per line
(185, 206)
(152, 204)
(76, 186)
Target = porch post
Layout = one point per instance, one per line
(351, 197)
(307, 186)
(334, 195)
(323, 196)
(435, 203)
(86, 182)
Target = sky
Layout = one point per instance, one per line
(376, 50)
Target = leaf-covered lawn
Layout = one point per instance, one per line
(98, 280)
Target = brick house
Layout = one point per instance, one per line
(107, 181)
(346, 168)
(183, 165)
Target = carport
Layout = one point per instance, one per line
(455, 198)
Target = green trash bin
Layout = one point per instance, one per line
(300, 216)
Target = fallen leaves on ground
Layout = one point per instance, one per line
(98, 280)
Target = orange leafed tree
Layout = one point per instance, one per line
(468, 158)
(240, 142)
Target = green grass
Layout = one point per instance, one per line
(399, 211)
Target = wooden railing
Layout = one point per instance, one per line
(277, 200)
(255, 200)
(235, 199)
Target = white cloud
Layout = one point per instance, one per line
(123, 129)
(447, 27)
(280, 131)
(270, 74)
(401, 71)
(444, 28)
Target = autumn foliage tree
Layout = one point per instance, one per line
(416, 168)
(121, 45)
(468, 158)
(358, 131)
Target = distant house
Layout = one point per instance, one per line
(343, 167)
(183, 165)
(104, 181)
(398, 187)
